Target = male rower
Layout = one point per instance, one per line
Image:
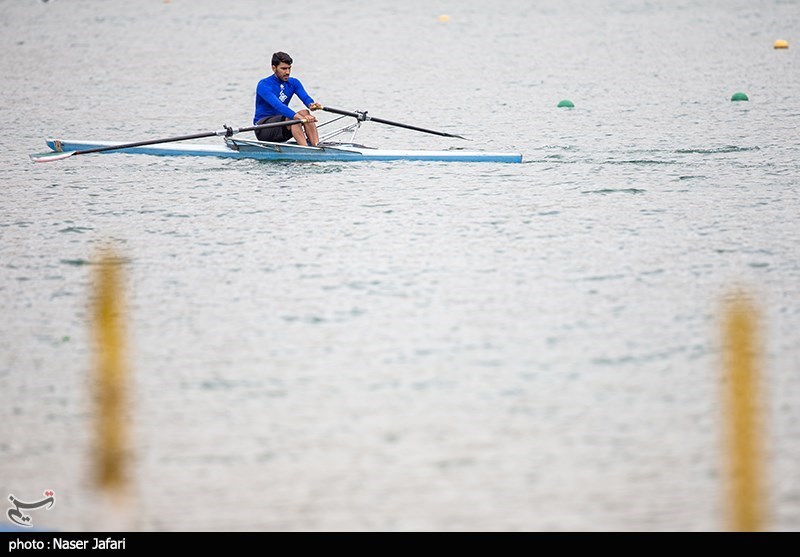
(273, 94)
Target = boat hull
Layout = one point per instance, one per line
(245, 149)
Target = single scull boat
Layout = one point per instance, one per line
(234, 148)
(262, 150)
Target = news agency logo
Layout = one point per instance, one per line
(15, 514)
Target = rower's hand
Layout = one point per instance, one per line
(315, 106)
(305, 116)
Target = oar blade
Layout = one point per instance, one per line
(51, 156)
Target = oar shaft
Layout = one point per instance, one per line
(415, 128)
(143, 143)
(357, 115)
(224, 132)
(265, 126)
(363, 116)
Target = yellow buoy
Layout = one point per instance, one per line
(744, 413)
(110, 377)
(781, 43)
(444, 18)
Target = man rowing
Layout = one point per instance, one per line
(273, 95)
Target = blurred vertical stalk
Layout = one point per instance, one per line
(743, 415)
(110, 427)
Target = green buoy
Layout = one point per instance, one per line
(566, 104)
(739, 97)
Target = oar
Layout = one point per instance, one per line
(362, 116)
(227, 132)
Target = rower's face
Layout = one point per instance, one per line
(282, 71)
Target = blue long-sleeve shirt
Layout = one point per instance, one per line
(273, 96)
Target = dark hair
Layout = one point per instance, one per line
(281, 57)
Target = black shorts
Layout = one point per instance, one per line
(276, 135)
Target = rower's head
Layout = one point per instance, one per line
(282, 65)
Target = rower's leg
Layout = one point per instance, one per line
(312, 133)
(298, 134)
(310, 128)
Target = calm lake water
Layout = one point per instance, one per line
(405, 346)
